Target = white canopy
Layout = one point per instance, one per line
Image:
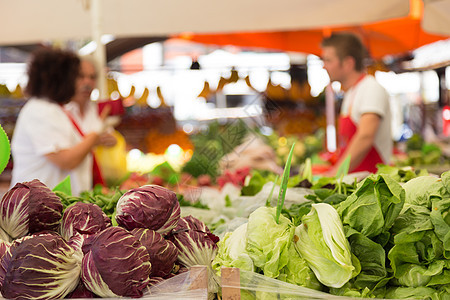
(436, 16)
(30, 21)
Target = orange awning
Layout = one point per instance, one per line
(394, 36)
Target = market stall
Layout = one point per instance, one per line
(232, 207)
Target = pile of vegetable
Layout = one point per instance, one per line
(386, 239)
(387, 236)
(420, 153)
(50, 251)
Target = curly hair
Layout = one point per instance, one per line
(52, 74)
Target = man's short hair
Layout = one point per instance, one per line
(347, 44)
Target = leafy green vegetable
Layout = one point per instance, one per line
(232, 251)
(343, 168)
(284, 182)
(420, 190)
(400, 174)
(296, 212)
(411, 293)
(298, 272)
(166, 172)
(255, 184)
(212, 144)
(321, 241)
(268, 240)
(64, 186)
(373, 207)
(196, 204)
(372, 258)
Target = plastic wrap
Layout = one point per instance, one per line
(187, 285)
(245, 285)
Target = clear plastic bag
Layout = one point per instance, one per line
(246, 285)
(192, 284)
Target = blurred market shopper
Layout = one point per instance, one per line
(364, 126)
(84, 115)
(48, 143)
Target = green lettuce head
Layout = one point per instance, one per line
(421, 190)
(298, 272)
(374, 206)
(232, 251)
(321, 241)
(268, 241)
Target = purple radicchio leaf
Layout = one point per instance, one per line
(149, 206)
(40, 266)
(29, 207)
(163, 253)
(115, 264)
(196, 246)
(81, 220)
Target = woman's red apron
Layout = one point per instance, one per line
(346, 131)
(97, 177)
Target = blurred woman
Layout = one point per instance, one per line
(47, 143)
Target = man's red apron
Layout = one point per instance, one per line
(346, 131)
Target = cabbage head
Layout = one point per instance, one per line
(232, 251)
(298, 272)
(420, 190)
(149, 206)
(115, 264)
(29, 207)
(373, 207)
(163, 253)
(196, 246)
(321, 241)
(268, 241)
(4, 246)
(81, 220)
(41, 266)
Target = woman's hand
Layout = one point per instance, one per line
(106, 139)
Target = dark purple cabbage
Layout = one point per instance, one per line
(40, 266)
(81, 220)
(115, 264)
(29, 207)
(4, 246)
(196, 246)
(195, 243)
(163, 253)
(149, 206)
(81, 292)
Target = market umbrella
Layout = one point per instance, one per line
(393, 36)
(27, 21)
(436, 16)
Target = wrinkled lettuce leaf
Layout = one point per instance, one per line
(232, 251)
(412, 293)
(420, 190)
(268, 241)
(374, 206)
(440, 218)
(321, 241)
(298, 272)
(372, 258)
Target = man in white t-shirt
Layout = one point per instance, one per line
(364, 127)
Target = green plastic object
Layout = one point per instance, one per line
(5, 149)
